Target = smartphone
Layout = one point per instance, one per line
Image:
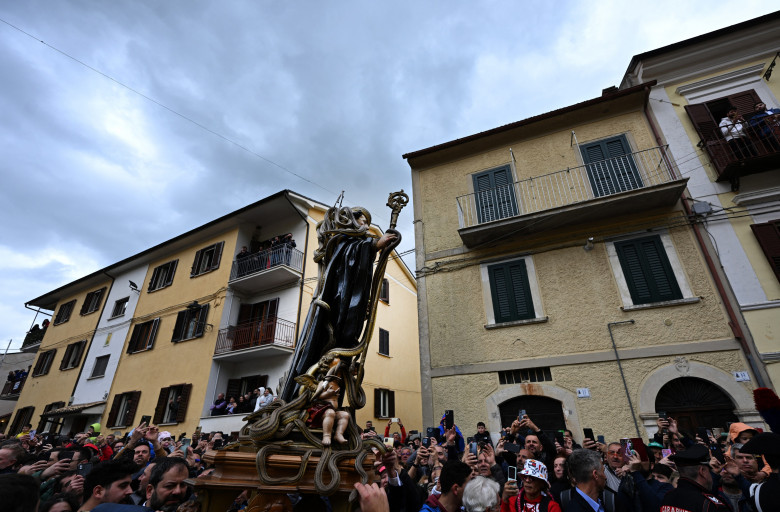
(559, 437)
(449, 418)
(512, 447)
(394, 420)
(204, 437)
(662, 415)
(588, 433)
(512, 473)
(665, 452)
(626, 447)
(83, 469)
(601, 440)
(66, 454)
(217, 444)
(432, 432)
(521, 415)
(473, 448)
(389, 441)
(185, 443)
(147, 420)
(32, 433)
(181, 436)
(702, 433)
(639, 447)
(426, 442)
(503, 434)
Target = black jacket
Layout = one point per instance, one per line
(692, 497)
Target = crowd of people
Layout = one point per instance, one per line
(528, 470)
(269, 253)
(521, 469)
(750, 134)
(245, 404)
(146, 468)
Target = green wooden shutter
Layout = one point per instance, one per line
(647, 270)
(115, 405)
(391, 404)
(181, 412)
(217, 255)
(511, 292)
(494, 194)
(611, 167)
(181, 323)
(132, 407)
(377, 403)
(200, 327)
(162, 405)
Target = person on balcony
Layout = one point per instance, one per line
(220, 406)
(765, 127)
(733, 129)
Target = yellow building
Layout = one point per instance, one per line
(558, 273)
(734, 184)
(188, 319)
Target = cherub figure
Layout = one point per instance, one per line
(324, 410)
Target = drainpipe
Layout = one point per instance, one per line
(303, 268)
(622, 375)
(734, 323)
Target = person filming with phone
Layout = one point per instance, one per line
(536, 442)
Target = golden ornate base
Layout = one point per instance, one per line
(236, 471)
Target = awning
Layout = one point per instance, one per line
(90, 408)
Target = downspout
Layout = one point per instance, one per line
(303, 268)
(622, 375)
(733, 319)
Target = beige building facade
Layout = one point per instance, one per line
(558, 273)
(188, 320)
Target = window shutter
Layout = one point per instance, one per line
(233, 389)
(66, 357)
(181, 413)
(115, 405)
(155, 273)
(648, 274)
(384, 294)
(702, 120)
(768, 235)
(171, 273)
(744, 101)
(178, 329)
(200, 327)
(391, 404)
(511, 292)
(49, 361)
(132, 406)
(79, 352)
(40, 364)
(524, 306)
(85, 306)
(153, 333)
(132, 344)
(162, 404)
(500, 290)
(377, 403)
(494, 195)
(196, 263)
(217, 255)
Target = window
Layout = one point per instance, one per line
(647, 270)
(207, 259)
(611, 167)
(51, 425)
(384, 342)
(244, 385)
(510, 291)
(92, 302)
(143, 336)
(494, 194)
(768, 235)
(44, 363)
(120, 307)
(123, 409)
(63, 315)
(190, 323)
(172, 404)
(384, 403)
(526, 375)
(72, 356)
(23, 417)
(384, 292)
(162, 276)
(99, 369)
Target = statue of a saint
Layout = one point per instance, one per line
(337, 314)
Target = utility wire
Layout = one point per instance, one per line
(169, 109)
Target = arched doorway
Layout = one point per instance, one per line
(694, 402)
(546, 413)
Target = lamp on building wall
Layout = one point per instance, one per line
(193, 305)
(134, 287)
(768, 72)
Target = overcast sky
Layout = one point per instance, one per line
(335, 92)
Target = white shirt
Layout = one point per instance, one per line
(731, 129)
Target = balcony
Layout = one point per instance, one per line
(744, 156)
(273, 336)
(267, 269)
(608, 188)
(12, 389)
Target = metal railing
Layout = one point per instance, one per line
(754, 144)
(570, 186)
(280, 255)
(272, 331)
(13, 387)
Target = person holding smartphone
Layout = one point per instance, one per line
(531, 492)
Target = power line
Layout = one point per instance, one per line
(169, 109)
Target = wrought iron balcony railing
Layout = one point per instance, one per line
(631, 171)
(267, 259)
(272, 331)
(13, 388)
